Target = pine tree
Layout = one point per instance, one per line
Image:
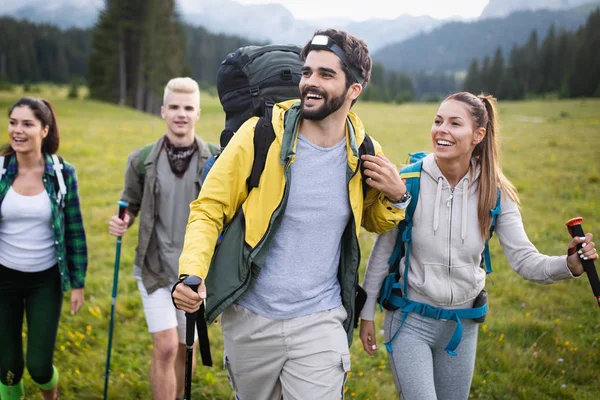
(485, 75)
(137, 47)
(564, 63)
(530, 64)
(496, 74)
(549, 63)
(512, 86)
(585, 76)
(472, 82)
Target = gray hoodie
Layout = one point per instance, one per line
(445, 258)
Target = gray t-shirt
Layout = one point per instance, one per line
(172, 207)
(300, 272)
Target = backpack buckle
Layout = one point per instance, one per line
(286, 74)
(254, 91)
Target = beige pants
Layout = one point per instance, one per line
(300, 358)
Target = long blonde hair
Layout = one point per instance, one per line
(483, 111)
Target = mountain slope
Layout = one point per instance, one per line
(503, 8)
(451, 47)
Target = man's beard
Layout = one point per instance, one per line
(328, 107)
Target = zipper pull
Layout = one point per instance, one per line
(449, 200)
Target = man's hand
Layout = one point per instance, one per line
(186, 299)
(383, 175)
(118, 227)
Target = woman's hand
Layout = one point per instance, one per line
(76, 300)
(367, 336)
(587, 252)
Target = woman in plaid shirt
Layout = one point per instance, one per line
(42, 247)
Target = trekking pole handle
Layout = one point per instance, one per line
(122, 209)
(575, 230)
(193, 282)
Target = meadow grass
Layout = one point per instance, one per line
(538, 342)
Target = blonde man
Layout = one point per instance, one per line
(161, 179)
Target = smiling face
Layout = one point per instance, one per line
(25, 131)
(180, 111)
(453, 133)
(323, 86)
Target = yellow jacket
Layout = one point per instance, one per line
(225, 190)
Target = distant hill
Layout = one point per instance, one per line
(275, 23)
(256, 22)
(453, 46)
(502, 8)
(61, 13)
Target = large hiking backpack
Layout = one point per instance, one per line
(249, 82)
(393, 295)
(253, 78)
(59, 181)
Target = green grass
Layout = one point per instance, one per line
(539, 342)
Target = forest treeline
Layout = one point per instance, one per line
(564, 63)
(138, 45)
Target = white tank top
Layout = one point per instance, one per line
(26, 239)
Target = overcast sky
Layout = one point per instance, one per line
(365, 9)
(316, 9)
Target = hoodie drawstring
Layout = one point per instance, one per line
(438, 201)
(465, 198)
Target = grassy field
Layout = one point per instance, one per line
(539, 342)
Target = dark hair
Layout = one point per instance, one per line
(355, 50)
(44, 112)
(484, 113)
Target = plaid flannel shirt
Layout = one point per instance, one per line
(67, 224)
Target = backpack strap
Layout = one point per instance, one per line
(391, 286)
(494, 212)
(144, 153)
(213, 148)
(437, 313)
(58, 165)
(411, 175)
(366, 147)
(264, 135)
(3, 165)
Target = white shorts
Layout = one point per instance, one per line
(160, 312)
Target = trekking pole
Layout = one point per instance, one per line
(122, 209)
(193, 282)
(575, 229)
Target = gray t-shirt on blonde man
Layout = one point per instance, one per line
(300, 272)
(172, 208)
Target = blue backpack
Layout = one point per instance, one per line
(393, 295)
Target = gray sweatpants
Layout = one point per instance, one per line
(422, 369)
